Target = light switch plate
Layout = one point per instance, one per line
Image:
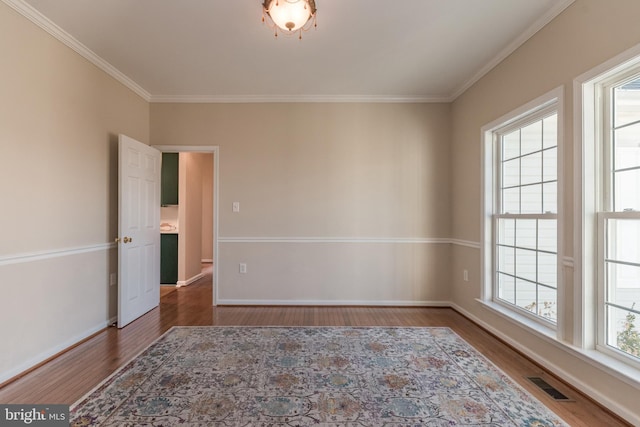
(236, 206)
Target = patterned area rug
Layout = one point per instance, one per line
(330, 376)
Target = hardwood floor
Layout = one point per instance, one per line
(68, 377)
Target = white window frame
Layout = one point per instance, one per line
(490, 179)
(592, 188)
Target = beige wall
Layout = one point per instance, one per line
(206, 162)
(586, 34)
(190, 217)
(335, 273)
(316, 172)
(60, 117)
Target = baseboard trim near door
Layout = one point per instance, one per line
(187, 282)
(334, 303)
(50, 354)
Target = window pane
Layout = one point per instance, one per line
(511, 145)
(506, 288)
(547, 303)
(550, 131)
(531, 138)
(627, 100)
(623, 240)
(511, 173)
(531, 172)
(506, 260)
(547, 269)
(550, 165)
(627, 188)
(526, 233)
(627, 147)
(621, 325)
(618, 249)
(526, 295)
(550, 203)
(623, 285)
(511, 200)
(531, 199)
(526, 264)
(528, 185)
(547, 235)
(627, 278)
(506, 231)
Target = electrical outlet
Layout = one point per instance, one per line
(465, 275)
(243, 268)
(113, 279)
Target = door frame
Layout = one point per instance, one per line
(215, 150)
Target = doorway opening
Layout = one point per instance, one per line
(203, 233)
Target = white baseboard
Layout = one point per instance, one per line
(388, 303)
(34, 361)
(187, 282)
(553, 368)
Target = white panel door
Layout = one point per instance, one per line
(138, 229)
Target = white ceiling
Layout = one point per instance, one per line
(219, 50)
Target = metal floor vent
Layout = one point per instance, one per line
(547, 388)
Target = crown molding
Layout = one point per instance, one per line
(50, 27)
(236, 99)
(515, 44)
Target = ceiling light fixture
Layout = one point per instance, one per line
(290, 15)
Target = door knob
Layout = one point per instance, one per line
(127, 239)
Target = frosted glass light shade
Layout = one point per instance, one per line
(289, 15)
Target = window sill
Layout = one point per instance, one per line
(527, 323)
(609, 365)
